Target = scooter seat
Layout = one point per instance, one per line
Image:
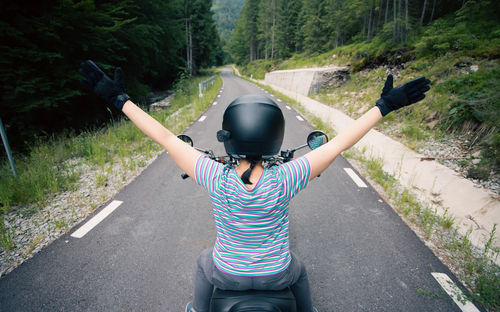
(253, 301)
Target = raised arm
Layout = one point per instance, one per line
(113, 92)
(182, 154)
(390, 99)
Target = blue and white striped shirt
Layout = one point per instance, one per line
(252, 224)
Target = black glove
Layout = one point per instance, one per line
(112, 91)
(395, 98)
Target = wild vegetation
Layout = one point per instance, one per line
(43, 44)
(226, 14)
(454, 43)
(46, 169)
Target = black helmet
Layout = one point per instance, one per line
(253, 127)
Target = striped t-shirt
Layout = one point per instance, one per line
(252, 224)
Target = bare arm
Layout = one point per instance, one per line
(113, 92)
(322, 157)
(183, 154)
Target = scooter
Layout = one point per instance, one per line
(257, 300)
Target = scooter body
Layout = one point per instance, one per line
(257, 300)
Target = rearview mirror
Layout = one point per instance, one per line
(316, 138)
(186, 139)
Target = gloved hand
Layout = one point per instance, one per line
(395, 98)
(112, 91)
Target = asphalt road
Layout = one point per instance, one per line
(359, 254)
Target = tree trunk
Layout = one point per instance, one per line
(395, 25)
(406, 21)
(364, 27)
(432, 13)
(189, 47)
(400, 32)
(379, 13)
(423, 13)
(337, 35)
(252, 51)
(386, 10)
(273, 29)
(188, 50)
(369, 23)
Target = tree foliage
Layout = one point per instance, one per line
(44, 42)
(226, 14)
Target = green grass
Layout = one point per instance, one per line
(6, 242)
(50, 166)
(257, 69)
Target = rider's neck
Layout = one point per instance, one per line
(256, 172)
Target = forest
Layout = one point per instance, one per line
(160, 42)
(276, 29)
(43, 43)
(436, 38)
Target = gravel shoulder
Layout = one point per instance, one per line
(31, 232)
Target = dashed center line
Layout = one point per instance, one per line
(218, 95)
(279, 100)
(299, 118)
(355, 177)
(215, 103)
(288, 107)
(454, 292)
(84, 229)
(202, 118)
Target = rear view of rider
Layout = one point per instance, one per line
(250, 205)
(250, 202)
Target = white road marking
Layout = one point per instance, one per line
(299, 118)
(218, 95)
(279, 100)
(454, 292)
(84, 229)
(288, 107)
(215, 103)
(355, 177)
(202, 118)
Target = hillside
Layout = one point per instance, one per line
(226, 14)
(459, 52)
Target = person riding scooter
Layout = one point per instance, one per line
(250, 202)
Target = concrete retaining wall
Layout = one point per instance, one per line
(304, 81)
